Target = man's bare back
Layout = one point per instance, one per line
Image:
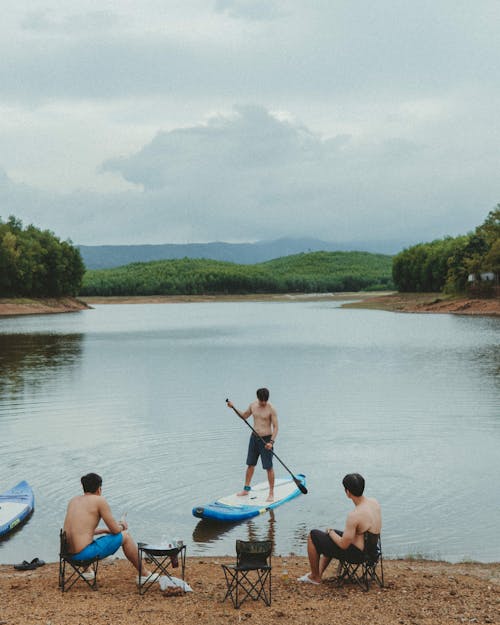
(366, 517)
(82, 517)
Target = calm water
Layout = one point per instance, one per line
(137, 394)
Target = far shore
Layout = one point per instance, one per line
(429, 303)
(387, 300)
(41, 306)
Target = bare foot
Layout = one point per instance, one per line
(243, 493)
(270, 498)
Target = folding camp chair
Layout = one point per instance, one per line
(369, 568)
(250, 576)
(70, 571)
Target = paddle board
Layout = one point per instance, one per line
(235, 508)
(16, 505)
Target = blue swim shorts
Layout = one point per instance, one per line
(101, 547)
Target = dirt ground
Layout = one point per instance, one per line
(416, 592)
(430, 303)
(40, 306)
(395, 302)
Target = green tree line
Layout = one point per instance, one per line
(314, 272)
(445, 264)
(35, 263)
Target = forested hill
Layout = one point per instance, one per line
(446, 264)
(314, 272)
(36, 263)
(109, 256)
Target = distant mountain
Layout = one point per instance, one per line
(108, 256)
(312, 272)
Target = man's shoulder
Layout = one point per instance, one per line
(89, 500)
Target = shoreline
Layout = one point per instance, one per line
(436, 303)
(387, 300)
(16, 306)
(416, 592)
(252, 297)
(11, 306)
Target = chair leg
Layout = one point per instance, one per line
(231, 584)
(241, 586)
(67, 581)
(349, 572)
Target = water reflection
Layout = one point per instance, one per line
(24, 357)
(208, 531)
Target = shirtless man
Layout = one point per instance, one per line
(323, 546)
(82, 518)
(266, 425)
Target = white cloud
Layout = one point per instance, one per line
(251, 9)
(377, 120)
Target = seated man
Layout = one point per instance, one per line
(82, 518)
(323, 546)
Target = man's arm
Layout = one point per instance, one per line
(274, 426)
(243, 415)
(113, 526)
(349, 532)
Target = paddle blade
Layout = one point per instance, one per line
(300, 486)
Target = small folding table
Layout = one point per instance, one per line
(161, 560)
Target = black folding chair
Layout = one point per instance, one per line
(369, 568)
(250, 576)
(70, 571)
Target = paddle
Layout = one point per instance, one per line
(299, 484)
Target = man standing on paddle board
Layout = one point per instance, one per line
(266, 426)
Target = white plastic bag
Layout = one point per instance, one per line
(174, 582)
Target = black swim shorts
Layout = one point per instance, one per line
(325, 546)
(256, 448)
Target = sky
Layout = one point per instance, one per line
(161, 121)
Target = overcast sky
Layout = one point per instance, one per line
(160, 121)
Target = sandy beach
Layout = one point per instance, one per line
(10, 306)
(416, 592)
(430, 303)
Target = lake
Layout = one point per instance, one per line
(137, 394)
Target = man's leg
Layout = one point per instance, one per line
(314, 558)
(248, 480)
(324, 561)
(129, 547)
(270, 477)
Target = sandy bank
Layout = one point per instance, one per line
(40, 306)
(254, 297)
(429, 303)
(416, 593)
(395, 302)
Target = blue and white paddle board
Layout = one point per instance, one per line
(235, 508)
(16, 505)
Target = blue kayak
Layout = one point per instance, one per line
(236, 508)
(16, 505)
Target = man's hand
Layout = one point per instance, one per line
(269, 445)
(229, 403)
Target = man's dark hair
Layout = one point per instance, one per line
(262, 394)
(354, 483)
(91, 482)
